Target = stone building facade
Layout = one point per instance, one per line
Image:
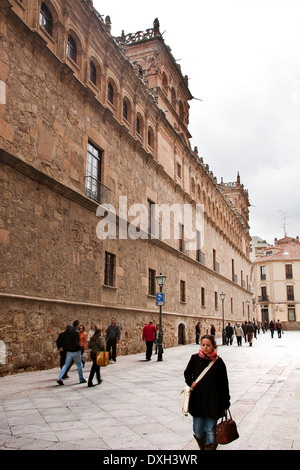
(94, 143)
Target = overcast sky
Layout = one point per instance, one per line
(242, 58)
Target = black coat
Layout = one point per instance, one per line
(211, 396)
(68, 340)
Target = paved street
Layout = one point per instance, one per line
(138, 404)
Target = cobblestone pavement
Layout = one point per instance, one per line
(138, 404)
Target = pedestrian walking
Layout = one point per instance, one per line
(229, 334)
(96, 343)
(278, 326)
(149, 334)
(238, 333)
(60, 343)
(210, 396)
(244, 326)
(249, 331)
(73, 353)
(113, 335)
(82, 341)
(272, 328)
(197, 330)
(213, 330)
(255, 329)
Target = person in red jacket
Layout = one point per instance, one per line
(149, 333)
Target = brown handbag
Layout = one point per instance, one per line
(227, 430)
(102, 358)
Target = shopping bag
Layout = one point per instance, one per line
(102, 358)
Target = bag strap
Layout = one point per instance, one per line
(205, 370)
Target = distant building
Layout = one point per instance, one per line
(276, 283)
(257, 246)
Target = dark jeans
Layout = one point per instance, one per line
(239, 340)
(149, 346)
(111, 347)
(95, 369)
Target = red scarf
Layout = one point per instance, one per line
(209, 357)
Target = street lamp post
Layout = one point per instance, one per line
(161, 279)
(223, 320)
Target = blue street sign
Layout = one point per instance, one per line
(160, 298)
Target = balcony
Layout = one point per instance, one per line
(200, 256)
(97, 191)
(263, 298)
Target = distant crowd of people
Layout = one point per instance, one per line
(246, 330)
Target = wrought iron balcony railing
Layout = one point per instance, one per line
(96, 190)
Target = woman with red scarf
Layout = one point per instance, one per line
(210, 396)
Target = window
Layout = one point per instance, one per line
(291, 313)
(151, 282)
(264, 296)
(150, 138)
(202, 297)
(139, 126)
(46, 21)
(109, 269)
(199, 255)
(151, 220)
(93, 73)
(290, 292)
(125, 110)
(263, 274)
(216, 300)
(110, 93)
(71, 49)
(178, 170)
(181, 238)
(288, 271)
(182, 291)
(93, 172)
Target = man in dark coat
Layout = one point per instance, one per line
(61, 346)
(229, 334)
(72, 346)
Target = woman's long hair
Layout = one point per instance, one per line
(96, 334)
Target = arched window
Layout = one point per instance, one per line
(110, 93)
(71, 49)
(93, 73)
(46, 20)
